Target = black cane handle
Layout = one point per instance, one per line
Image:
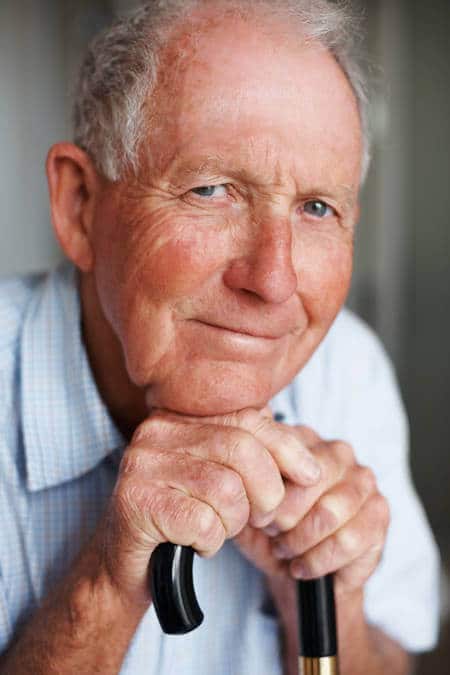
(173, 594)
(172, 589)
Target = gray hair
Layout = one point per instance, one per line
(120, 71)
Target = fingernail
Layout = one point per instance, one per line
(299, 571)
(262, 521)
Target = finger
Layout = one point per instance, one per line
(307, 435)
(290, 511)
(354, 576)
(151, 517)
(365, 532)
(290, 453)
(228, 446)
(331, 512)
(335, 460)
(215, 484)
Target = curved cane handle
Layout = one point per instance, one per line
(172, 589)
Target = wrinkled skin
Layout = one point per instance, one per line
(171, 265)
(207, 282)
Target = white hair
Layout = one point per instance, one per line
(120, 70)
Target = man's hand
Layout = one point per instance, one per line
(337, 525)
(197, 482)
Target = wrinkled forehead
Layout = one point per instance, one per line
(234, 82)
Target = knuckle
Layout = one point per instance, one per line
(366, 479)
(348, 541)
(274, 496)
(307, 435)
(132, 462)
(238, 522)
(207, 525)
(231, 419)
(375, 552)
(231, 487)
(141, 500)
(381, 510)
(324, 517)
(235, 446)
(134, 507)
(144, 431)
(128, 496)
(333, 552)
(344, 452)
(150, 429)
(250, 418)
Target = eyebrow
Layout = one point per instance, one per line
(191, 168)
(220, 166)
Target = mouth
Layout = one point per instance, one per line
(220, 342)
(245, 331)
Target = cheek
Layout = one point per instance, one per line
(324, 276)
(156, 258)
(171, 266)
(159, 272)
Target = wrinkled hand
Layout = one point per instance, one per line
(196, 482)
(337, 525)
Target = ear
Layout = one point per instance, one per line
(74, 186)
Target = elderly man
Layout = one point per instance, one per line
(181, 377)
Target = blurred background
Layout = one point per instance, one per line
(402, 275)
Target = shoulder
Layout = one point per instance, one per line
(353, 339)
(351, 354)
(15, 294)
(349, 390)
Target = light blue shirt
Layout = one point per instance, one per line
(59, 452)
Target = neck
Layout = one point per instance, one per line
(124, 400)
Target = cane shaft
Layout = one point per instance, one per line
(317, 627)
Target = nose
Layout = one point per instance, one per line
(267, 268)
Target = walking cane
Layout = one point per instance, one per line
(178, 611)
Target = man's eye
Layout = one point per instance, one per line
(318, 209)
(210, 191)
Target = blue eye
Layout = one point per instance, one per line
(317, 208)
(210, 191)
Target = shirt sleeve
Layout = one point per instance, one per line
(402, 596)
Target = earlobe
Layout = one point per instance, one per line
(74, 186)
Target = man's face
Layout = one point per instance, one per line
(222, 268)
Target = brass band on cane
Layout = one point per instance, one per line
(327, 665)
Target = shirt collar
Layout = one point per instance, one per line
(67, 429)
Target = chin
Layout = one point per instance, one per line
(222, 390)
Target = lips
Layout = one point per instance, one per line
(254, 320)
(274, 333)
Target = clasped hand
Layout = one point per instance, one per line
(294, 503)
